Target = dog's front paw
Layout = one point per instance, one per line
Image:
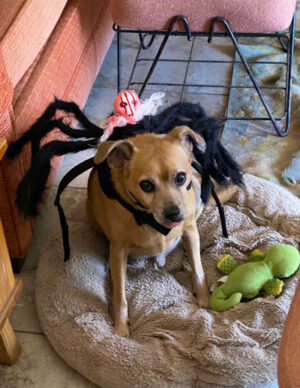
(202, 293)
(203, 300)
(122, 329)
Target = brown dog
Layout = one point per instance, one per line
(153, 174)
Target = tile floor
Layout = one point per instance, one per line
(38, 365)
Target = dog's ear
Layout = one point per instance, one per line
(116, 152)
(186, 136)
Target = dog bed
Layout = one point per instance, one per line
(172, 343)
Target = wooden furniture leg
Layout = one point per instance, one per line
(10, 287)
(9, 345)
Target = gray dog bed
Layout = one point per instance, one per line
(173, 343)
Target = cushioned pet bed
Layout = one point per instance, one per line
(173, 343)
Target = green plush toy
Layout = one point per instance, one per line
(261, 272)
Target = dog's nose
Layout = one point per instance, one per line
(173, 213)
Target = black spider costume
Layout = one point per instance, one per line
(215, 162)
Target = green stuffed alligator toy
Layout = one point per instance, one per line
(262, 272)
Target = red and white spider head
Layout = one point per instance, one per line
(126, 103)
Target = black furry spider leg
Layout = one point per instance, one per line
(45, 124)
(214, 172)
(33, 185)
(234, 168)
(209, 129)
(71, 107)
(39, 129)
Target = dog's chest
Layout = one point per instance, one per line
(156, 244)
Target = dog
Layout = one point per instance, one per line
(153, 174)
(142, 193)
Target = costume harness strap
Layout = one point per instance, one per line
(72, 174)
(105, 181)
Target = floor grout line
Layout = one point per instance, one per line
(28, 332)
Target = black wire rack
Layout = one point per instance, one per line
(286, 39)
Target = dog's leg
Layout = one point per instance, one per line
(192, 245)
(161, 260)
(118, 264)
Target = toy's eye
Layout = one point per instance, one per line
(147, 186)
(180, 179)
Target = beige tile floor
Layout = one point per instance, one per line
(39, 366)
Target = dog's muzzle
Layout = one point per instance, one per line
(173, 214)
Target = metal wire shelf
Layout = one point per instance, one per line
(287, 47)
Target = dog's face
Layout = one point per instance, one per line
(155, 172)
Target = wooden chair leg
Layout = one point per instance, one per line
(10, 348)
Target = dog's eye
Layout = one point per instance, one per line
(147, 186)
(180, 179)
